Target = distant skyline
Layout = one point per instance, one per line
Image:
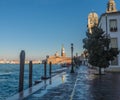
(41, 27)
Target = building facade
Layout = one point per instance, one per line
(110, 23)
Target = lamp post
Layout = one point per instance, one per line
(106, 24)
(72, 69)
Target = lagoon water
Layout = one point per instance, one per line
(9, 77)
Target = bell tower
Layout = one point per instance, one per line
(111, 6)
(63, 51)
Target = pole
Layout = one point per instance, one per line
(30, 74)
(50, 70)
(106, 26)
(72, 69)
(45, 69)
(21, 75)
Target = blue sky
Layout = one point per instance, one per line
(40, 27)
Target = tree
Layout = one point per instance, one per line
(97, 45)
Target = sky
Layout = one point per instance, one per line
(41, 27)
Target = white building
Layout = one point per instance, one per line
(110, 23)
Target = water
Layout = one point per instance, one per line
(9, 77)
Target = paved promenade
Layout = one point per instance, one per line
(82, 85)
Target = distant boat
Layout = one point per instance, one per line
(5, 73)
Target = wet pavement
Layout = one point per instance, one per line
(82, 85)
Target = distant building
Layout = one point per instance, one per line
(56, 59)
(2, 61)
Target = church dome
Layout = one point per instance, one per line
(111, 1)
(93, 14)
(92, 21)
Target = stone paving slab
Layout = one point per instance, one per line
(83, 85)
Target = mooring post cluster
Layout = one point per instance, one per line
(21, 74)
(45, 71)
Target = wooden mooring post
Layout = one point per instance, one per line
(45, 71)
(30, 74)
(21, 75)
(50, 69)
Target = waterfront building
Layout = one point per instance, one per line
(56, 59)
(110, 23)
(2, 61)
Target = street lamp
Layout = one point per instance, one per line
(106, 24)
(72, 70)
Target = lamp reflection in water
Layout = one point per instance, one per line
(63, 78)
(50, 81)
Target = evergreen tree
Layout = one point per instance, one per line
(97, 45)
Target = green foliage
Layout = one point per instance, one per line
(97, 45)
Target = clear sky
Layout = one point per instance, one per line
(40, 27)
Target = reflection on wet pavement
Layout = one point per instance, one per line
(83, 85)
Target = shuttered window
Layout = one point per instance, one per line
(115, 61)
(114, 43)
(113, 25)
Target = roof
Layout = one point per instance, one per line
(93, 14)
(109, 14)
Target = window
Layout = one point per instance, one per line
(113, 25)
(114, 43)
(115, 61)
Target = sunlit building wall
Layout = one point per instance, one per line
(110, 23)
